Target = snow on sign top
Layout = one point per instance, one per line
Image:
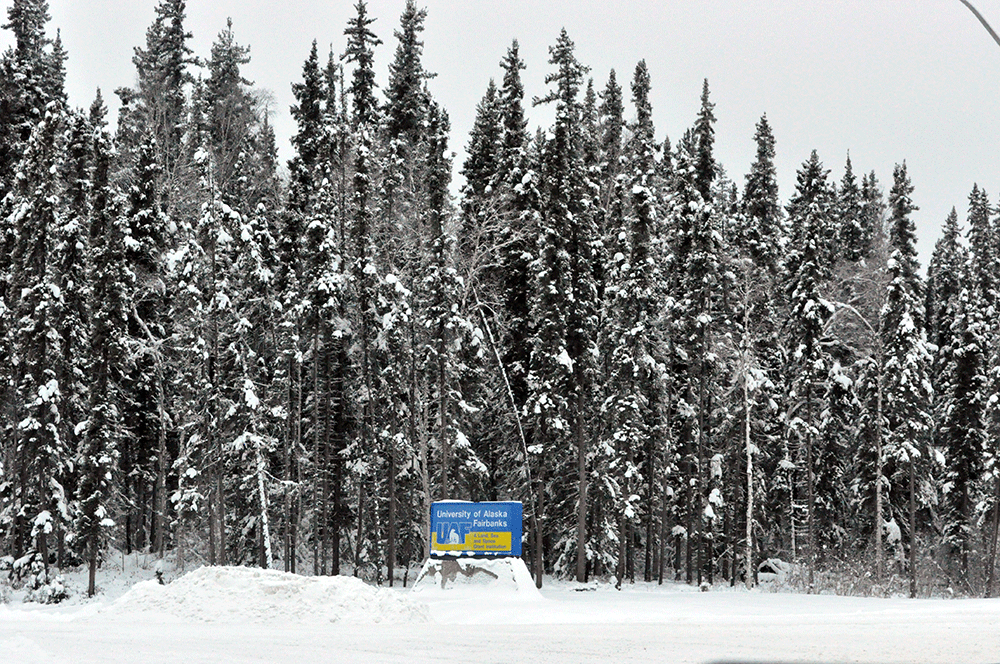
(461, 528)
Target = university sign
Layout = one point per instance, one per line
(459, 528)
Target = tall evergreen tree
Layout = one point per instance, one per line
(159, 110)
(112, 281)
(564, 292)
(480, 199)
(762, 234)
(908, 387)
(854, 237)
(31, 75)
(808, 268)
(363, 269)
(39, 452)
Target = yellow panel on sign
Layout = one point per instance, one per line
(475, 542)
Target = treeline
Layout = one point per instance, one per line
(208, 356)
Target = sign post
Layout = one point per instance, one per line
(460, 528)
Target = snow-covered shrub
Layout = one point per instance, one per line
(42, 586)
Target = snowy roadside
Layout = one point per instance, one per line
(253, 615)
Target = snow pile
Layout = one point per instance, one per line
(239, 594)
(503, 576)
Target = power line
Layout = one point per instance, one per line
(982, 20)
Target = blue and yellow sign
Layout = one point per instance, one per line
(459, 528)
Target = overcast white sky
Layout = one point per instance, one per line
(887, 80)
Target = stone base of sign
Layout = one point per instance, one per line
(507, 576)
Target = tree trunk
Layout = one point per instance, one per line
(749, 453)
(361, 531)
(92, 561)
(647, 572)
(663, 535)
(810, 491)
(391, 525)
(317, 493)
(879, 547)
(262, 496)
(159, 537)
(539, 524)
(581, 504)
(913, 530)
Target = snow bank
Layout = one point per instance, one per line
(239, 594)
(477, 576)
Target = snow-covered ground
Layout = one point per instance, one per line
(242, 615)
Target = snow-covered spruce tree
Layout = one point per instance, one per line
(234, 139)
(111, 287)
(696, 239)
(231, 113)
(449, 330)
(364, 272)
(307, 141)
(947, 311)
(70, 260)
(406, 240)
(564, 294)
(761, 237)
(908, 387)
(157, 107)
(611, 119)
(290, 287)
(494, 263)
(685, 203)
(30, 78)
(962, 430)
(324, 280)
(36, 499)
(702, 273)
(944, 284)
(808, 366)
(854, 236)
(604, 466)
(486, 222)
(517, 179)
(257, 422)
(202, 313)
(873, 209)
(480, 199)
(31, 75)
(636, 316)
(984, 268)
(146, 411)
(762, 233)
(152, 157)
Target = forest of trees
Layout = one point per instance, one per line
(209, 355)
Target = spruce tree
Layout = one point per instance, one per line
(30, 77)
(39, 452)
(564, 293)
(111, 281)
(160, 107)
(637, 306)
(944, 283)
(308, 114)
(853, 238)
(807, 267)
(762, 234)
(363, 268)
(908, 359)
(480, 203)
(962, 431)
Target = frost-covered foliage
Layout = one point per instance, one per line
(201, 357)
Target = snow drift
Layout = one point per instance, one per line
(503, 576)
(239, 594)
